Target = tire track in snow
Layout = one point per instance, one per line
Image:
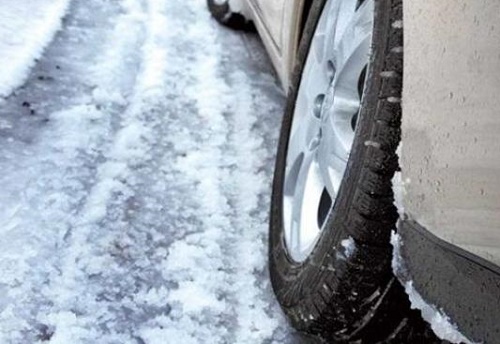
(45, 174)
(98, 295)
(248, 183)
(218, 295)
(197, 263)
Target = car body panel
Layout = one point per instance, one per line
(271, 13)
(451, 122)
(292, 20)
(278, 23)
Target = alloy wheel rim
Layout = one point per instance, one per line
(324, 120)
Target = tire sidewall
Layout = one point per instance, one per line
(295, 284)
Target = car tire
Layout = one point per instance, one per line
(221, 11)
(344, 289)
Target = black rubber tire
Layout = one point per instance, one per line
(223, 14)
(354, 299)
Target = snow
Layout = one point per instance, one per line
(135, 196)
(398, 186)
(399, 192)
(398, 24)
(439, 321)
(374, 144)
(26, 28)
(236, 6)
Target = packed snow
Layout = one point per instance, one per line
(136, 167)
(398, 186)
(26, 27)
(439, 321)
(237, 6)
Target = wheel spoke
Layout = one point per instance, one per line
(346, 105)
(346, 11)
(304, 205)
(346, 82)
(304, 129)
(315, 76)
(332, 159)
(354, 41)
(326, 109)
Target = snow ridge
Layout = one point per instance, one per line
(44, 186)
(219, 297)
(26, 28)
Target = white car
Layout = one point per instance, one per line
(365, 159)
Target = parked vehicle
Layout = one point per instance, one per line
(338, 165)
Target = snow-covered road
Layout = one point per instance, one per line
(135, 165)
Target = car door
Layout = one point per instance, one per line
(271, 14)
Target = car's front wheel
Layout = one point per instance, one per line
(332, 205)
